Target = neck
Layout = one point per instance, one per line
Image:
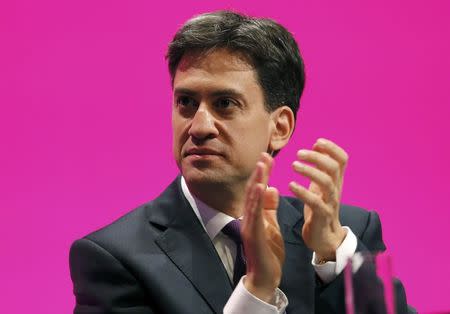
(226, 199)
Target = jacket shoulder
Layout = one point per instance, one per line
(133, 231)
(123, 232)
(345, 209)
(355, 217)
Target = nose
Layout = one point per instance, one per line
(203, 124)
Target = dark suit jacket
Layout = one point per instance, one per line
(158, 259)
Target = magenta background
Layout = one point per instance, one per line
(85, 126)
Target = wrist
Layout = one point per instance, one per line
(328, 254)
(323, 258)
(265, 293)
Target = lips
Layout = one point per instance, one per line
(200, 151)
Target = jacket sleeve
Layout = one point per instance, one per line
(372, 236)
(101, 283)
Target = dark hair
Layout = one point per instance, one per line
(270, 47)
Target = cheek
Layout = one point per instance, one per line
(252, 139)
(256, 132)
(177, 127)
(176, 139)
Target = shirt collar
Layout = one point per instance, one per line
(211, 219)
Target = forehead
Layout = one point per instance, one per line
(222, 57)
(219, 66)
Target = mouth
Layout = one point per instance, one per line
(201, 153)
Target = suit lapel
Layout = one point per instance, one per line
(188, 246)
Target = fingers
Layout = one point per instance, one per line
(259, 197)
(272, 230)
(261, 175)
(316, 175)
(330, 161)
(254, 191)
(322, 162)
(321, 230)
(270, 206)
(256, 186)
(334, 151)
(326, 175)
(271, 198)
(309, 198)
(323, 180)
(268, 162)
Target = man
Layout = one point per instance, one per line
(237, 83)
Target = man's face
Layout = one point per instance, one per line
(220, 125)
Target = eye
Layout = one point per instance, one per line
(225, 103)
(185, 101)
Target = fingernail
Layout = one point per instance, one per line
(297, 164)
(265, 156)
(321, 141)
(302, 153)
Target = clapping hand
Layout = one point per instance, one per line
(263, 243)
(322, 230)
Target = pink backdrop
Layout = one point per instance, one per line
(85, 126)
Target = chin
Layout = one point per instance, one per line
(199, 171)
(199, 177)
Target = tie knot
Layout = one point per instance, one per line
(233, 230)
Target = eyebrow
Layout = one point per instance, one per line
(216, 93)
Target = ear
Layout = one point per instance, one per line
(282, 125)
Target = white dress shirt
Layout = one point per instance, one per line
(242, 301)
